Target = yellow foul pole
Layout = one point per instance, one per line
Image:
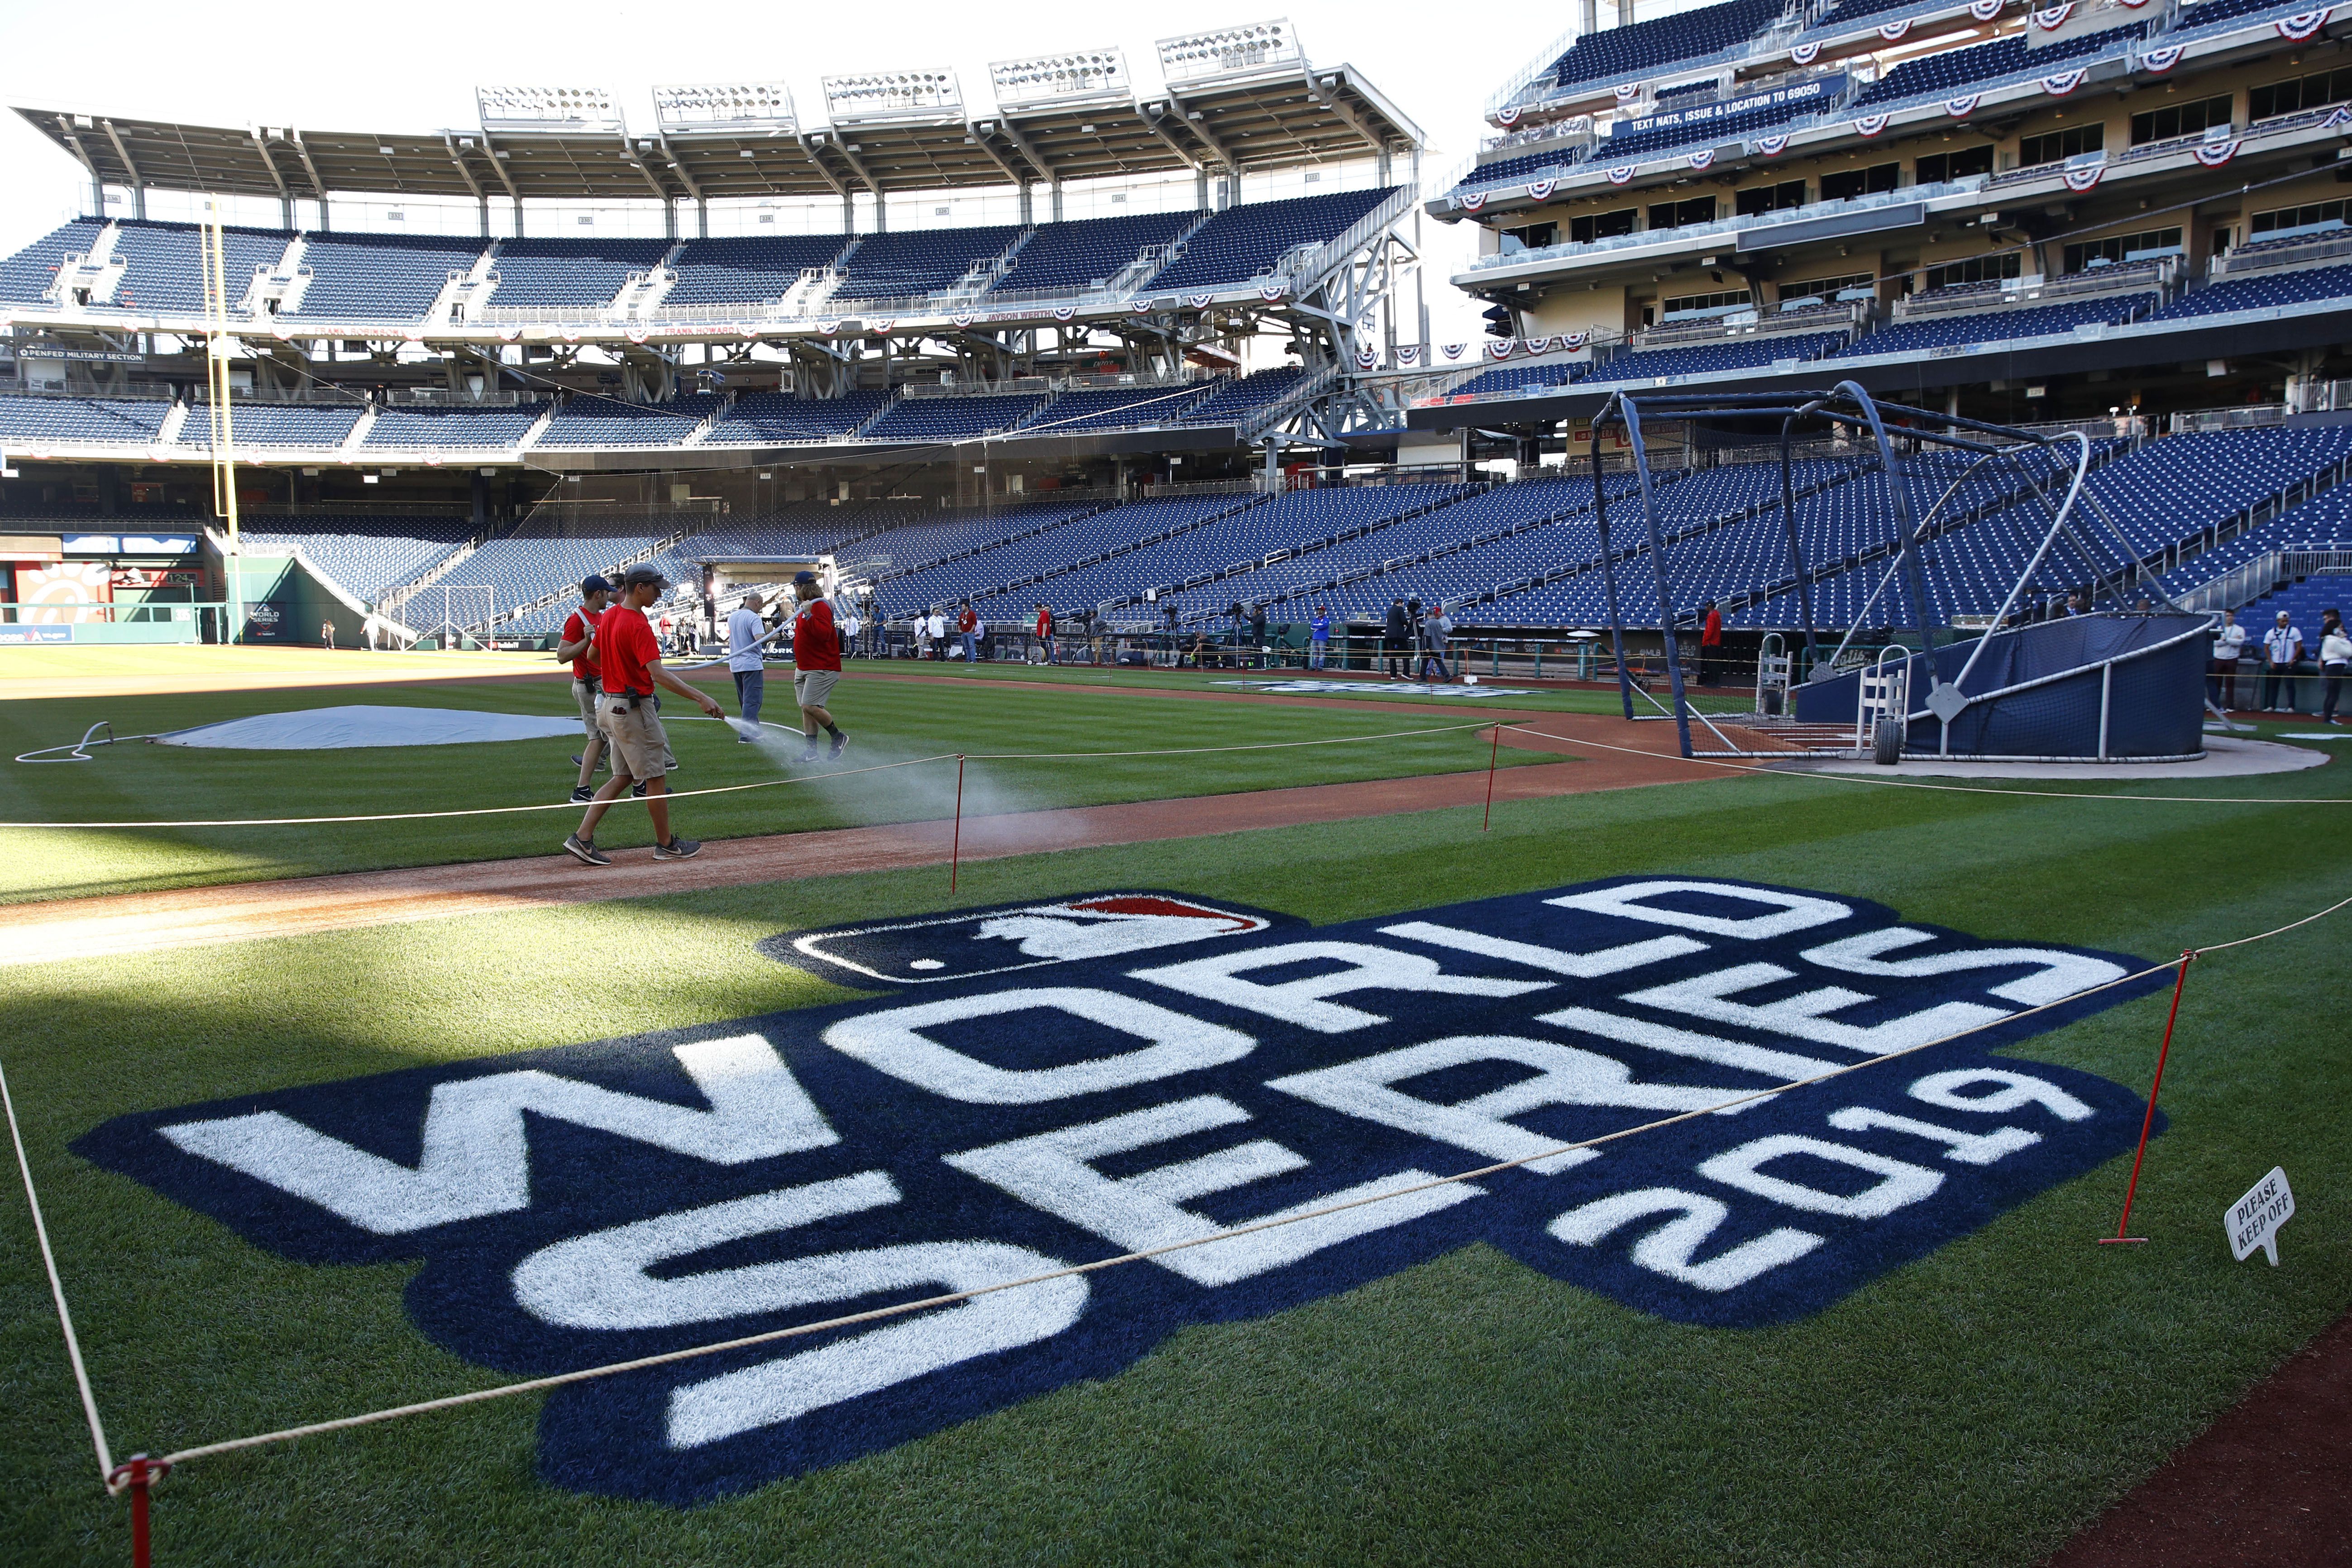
(217, 349)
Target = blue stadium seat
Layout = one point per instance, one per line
(379, 277)
(766, 418)
(1992, 326)
(748, 271)
(27, 275)
(1087, 252)
(401, 429)
(2264, 290)
(910, 262)
(1246, 242)
(274, 424)
(33, 422)
(550, 272)
(591, 421)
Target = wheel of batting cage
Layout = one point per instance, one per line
(1886, 741)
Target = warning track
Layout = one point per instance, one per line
(204, 917)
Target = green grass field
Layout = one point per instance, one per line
(1975, 1407)
(887, 722)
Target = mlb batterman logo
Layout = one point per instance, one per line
(1051, 1084)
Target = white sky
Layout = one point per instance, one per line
(413, 67)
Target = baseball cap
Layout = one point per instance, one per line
(594, 583)
(639, 574)
(803, 576)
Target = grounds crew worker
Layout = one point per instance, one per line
(628, 661)
(578, 645)
(816, 662)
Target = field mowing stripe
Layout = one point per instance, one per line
(584, 1374)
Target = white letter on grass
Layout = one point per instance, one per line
(1301, 1002)
(1667, 1249)
(599, 1281)
(1899, 1181)
(476, 1161)
(1564, 1076)
(1053, 1172)
(893, 1040)
(1785, 913)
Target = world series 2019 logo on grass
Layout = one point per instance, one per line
(1051, 1084)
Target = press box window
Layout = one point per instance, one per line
(1855, 183)
(1937, 167)
(2299, 93)
(1825, 287)
(1687, 306)
(1532, 237)
(1975, 270)
(1674, 215)
(2178, 120)
(2286, 219)
(1602, 226)
(2057, 146)
(2117, 250)
(1757, 200)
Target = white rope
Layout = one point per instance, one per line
(58, 1290)
(558, 1380)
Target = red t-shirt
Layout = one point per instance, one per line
(582, 627)
(816, 645)
(1044, 622)
(624, 646)
(1711, 633)
(968, 621)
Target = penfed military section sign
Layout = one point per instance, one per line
(1052, 1084)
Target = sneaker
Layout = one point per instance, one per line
(677, 848)
(582, 795)
(840, 745)
(742, 740)
(811, 754)
(584, 850)
(637, 792)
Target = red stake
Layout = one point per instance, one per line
(955, 849)
(135, 1475)
(1492, 751)
(2147, 1121)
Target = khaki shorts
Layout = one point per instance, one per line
(584, 693)
(640, 747)
(811, 688)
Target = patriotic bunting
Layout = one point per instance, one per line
(1062, 312)
(961, 321)
(2213, 154)
(413, 336)
(747, 333)
(1701, 159)
(1573, 341)
(827, 328)
(2297, 29)
(1870, 124)
(1962, 107)
(1199, 301)
(1473, 202)
(1628, 94)
(282, 333)
(1771, 146)
(2156, 62)
(1619, 175)
(2081, 180)
(880, 329)
(1803, 54)
(1451, 351)
(2062, 84)
(1985, 10)
(509, 333)
(1366, 359)
(637, 334)
(1143, 306)
(1542, 189)
(2341, 117)
(1272, 293)
(1408, 354)
(1890, 31)
(1506, 118)
(2053, 20)
(1500, 348)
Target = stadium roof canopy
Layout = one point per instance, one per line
(1239, 98)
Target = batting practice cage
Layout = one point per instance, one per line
(1923, 584)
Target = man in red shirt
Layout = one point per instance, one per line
(577, 646)
(967, 630)
(628, 667)
(1045, 632)
(1710, 645)
(816, 663)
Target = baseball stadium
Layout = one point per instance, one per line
(847, 817)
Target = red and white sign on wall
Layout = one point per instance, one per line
(61, 586)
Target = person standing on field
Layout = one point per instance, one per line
(327, 635)
(629, 666)
(937, 627)
(816, 663)
(746, 661)
(2335, 662)
(2221, 673)
(968, 631)
(1710, 646)
(577, 645)
(1319, 637)
(2282, 646)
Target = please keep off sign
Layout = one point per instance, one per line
(2253, 1220)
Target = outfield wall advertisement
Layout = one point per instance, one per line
(1048, 1085)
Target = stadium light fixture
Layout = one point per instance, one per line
(547, 108)
(1069, 73)
(712, 106)
(885, 95)
(1225, 51)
